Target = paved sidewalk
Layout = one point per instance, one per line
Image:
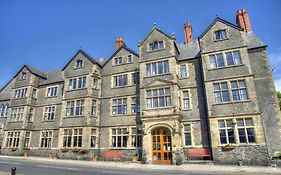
(185, 168)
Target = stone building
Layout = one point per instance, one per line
(210, 96)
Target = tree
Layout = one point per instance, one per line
(279, 98)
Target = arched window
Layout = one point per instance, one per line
(2, 110)
(7, 109)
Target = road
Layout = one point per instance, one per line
(28, 167)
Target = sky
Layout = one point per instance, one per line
(46, 34)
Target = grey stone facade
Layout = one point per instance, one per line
(108, 106)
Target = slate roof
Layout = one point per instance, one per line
(188, 51)
(5, 92)
(53, 77)
(35, 71)
(252, 41)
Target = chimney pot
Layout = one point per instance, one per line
(187, 32)
(243, 21)
(119, 43)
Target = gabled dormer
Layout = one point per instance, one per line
(221, 35)
(156, 45)
(80, 64)
(122, 60)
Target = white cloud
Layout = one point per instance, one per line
(278, 84)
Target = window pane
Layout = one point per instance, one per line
(187, 139)
(220, 60)
(213, 61)
(249, 122)
(242, 136)
(153, 68)
(221, 124)
(223, 137)
(241, 83)
(166, 67)
(217, 97)
(244, 94)
(161, 101)
(183, 70)
(251, 136)
(160, 68)
(230, 133)
(237, 59)
(235, 95)
(229, 58)
(225, 96)
(148, 70)
(216, 86)
(240, 122)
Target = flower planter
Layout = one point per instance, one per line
(25, 154)
(50, 156)
(134, 159)
(94, 159)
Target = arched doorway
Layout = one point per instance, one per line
(161, 146)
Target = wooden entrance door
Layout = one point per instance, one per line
(161, 146)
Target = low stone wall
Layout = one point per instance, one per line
(244, 154)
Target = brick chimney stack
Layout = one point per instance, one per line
(187, 32)
(243, 21)
(119, 43)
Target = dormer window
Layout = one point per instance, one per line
(220, 35)
(23, 76)
(118, 60)
(130, 58)
(156, 45)
(79, 64)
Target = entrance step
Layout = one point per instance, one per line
(204, 162)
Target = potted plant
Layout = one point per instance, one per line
(228, 147)
(94, 157)
(75, 150)
(135, 157)
(50, 156)
(178, 160)
(64, 150)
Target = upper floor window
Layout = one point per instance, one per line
(221, 92)
(79, 64)
(77, 83)
(17, 114)
(239, 90)
(2, 110)
(49, 113)
(183, 71)
(1, 127)
(233, 58)
(23, 75)
(31, 114)
(135, 105)
(186, 99)
(130, 59)
(119, 106)
(220, 35)
(52, 91)
(94, 107)
(245, 128)
(156, 45)
(157, 68)
(225, 59)
(20, 93)
(135, 78)
(95, 83)
(158, 98)
(120, 80)
(34, 93)
(75, 108)
(216, 61)
(118, 60)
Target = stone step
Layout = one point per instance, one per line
(199, 162)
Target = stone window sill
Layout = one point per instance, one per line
(231, 102)
(226, 67)
(76, 116)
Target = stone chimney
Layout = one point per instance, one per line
(119, 43)
(187, 32)
(243, 21)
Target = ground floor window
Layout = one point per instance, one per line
(136, 137)
(13, 139)
(187, 134)
(27, 139)
(46, 139)
(242, 129)
(119, 137)
(72, 137)
(93, 138)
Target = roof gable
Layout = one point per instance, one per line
(84, 54)
(155, 28)
(222, 21)
(117, 51)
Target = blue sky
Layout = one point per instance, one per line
(46, 34)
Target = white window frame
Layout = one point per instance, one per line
(27, 139)
(13, 139)
(188, 132)
(52, 91)
(95, 137)
(48, 111)
(124, 133)
(46, 139)
(132, 58)
(75, 83)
